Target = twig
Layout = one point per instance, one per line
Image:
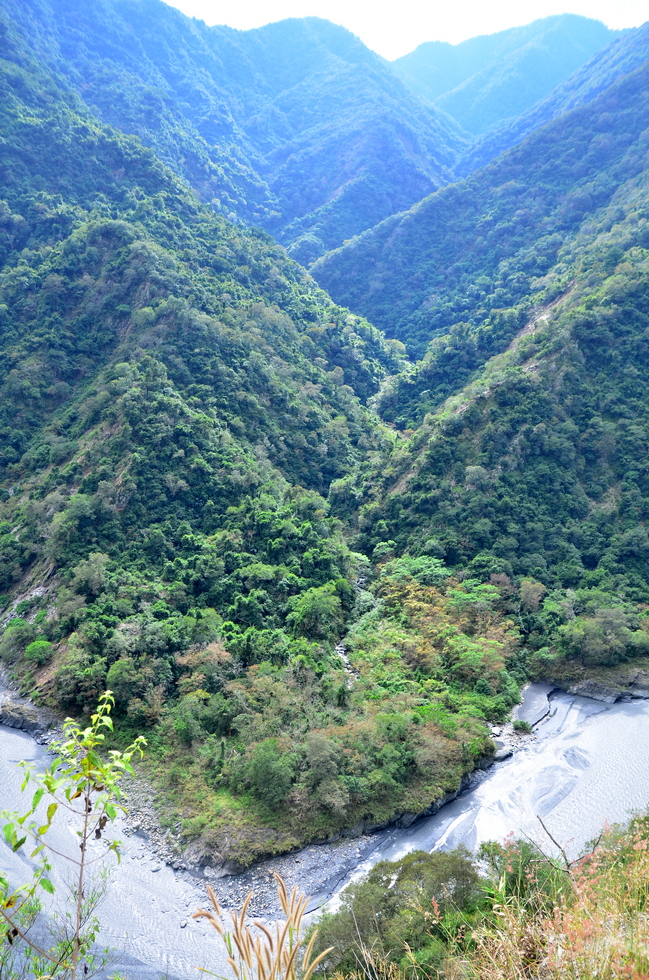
(556, 844)
(27, 940)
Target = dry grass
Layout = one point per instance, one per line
(258, 954)
(371, 967)
(601, 932)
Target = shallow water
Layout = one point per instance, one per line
(587, 766)
(146, 902)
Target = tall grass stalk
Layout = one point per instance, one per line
(260, 953)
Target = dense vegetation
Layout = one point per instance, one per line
(518, 913)
(623, 55)
(486, 81)
(535, 471)
(177, 396)
(247, 117)
(485, 243)
(313, 571)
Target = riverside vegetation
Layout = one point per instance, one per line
(212, 475)
(519, 914)
(526, 915)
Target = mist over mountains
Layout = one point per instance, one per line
(415, 274)
(217, 465)
(297, 126)
(487, 81)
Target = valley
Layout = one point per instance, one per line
(324, 415)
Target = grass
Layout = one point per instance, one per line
(596, 929)
(256, 953)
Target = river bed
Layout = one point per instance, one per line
(585, 765)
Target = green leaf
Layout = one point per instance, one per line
(47, 885)
(37, 797)
(51, 810)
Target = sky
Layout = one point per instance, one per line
(394, 28)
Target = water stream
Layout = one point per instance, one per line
(586, 765)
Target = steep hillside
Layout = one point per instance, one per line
(534, 476)
(295, 126)
(480, 246)
(488, 80)
(177, 396)
(198, 502)
(622, 56)
(107, 260)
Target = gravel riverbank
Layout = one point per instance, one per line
(316, 870)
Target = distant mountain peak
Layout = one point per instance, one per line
(490, 78)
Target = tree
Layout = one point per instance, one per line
(387, 910)
(317, 613)
(531, 593)
(89, 576)
(125, 680)
(38, 652)
(271, 773)
(86, 786)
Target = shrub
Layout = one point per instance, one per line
(397, 903)
(38, 652)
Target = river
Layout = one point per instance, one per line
(585, 766)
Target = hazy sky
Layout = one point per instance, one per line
(397, 27)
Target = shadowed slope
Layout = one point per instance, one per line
(296, 126)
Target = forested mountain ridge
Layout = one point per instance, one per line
(479, 246)
(198, 501)
(534, 476)
(296, 126)
(621, 56)
(489, 80)
(177, 395)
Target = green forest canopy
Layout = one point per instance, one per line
(212, 475)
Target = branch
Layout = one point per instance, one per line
(556, 844)
(25, 938)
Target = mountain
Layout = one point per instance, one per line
(489, 80)
(523, 428)
(297, 126)
(177, 398)
(312, 571)
(621, 56)
(475, 248)
(536, 470)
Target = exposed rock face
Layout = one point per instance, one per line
(623, 684)
(597, 691)
(15, 712)
(25, 717)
